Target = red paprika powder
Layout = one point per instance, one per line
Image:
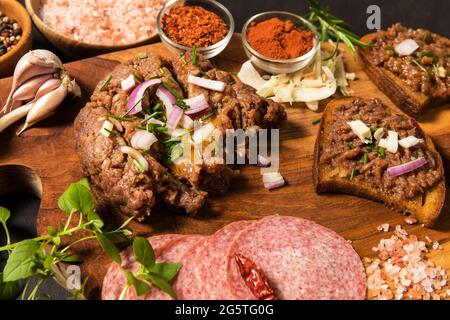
(194, 26)
(277, 39)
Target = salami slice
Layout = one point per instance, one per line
(301, 259)
(115, 280)
(204, 266)
(173, 251)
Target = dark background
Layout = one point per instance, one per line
(429, 14)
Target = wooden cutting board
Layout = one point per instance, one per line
(43, 161)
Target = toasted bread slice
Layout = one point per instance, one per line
(425, 208)
(410, 101)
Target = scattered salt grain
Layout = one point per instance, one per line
(410, 220)
(383, 227)
(402, 270)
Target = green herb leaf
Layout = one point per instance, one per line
(382, 153)
(95, 219)
(8, 290)
(105, 83)
(350, 145)
(21, 262)
(77, 198)
(140, 286)
(194, 55)
(5, 214)
(144, 252)
(365, 158)
(166, 270)
(109, 247)
(316, 121)
(162, 284)
(353, 174)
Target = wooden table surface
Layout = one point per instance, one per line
(43, 161)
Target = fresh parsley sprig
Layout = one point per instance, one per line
(40, 257)
(332, 27)
(149, 273)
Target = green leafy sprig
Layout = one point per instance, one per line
(150, 273)
(42, 255)
(332, 27)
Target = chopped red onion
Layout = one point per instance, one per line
(128, 84)
(198, 105)
(135, 101)
(273, 180)
(166, 97)
(407, 167)
(207, 83)
(174, 117)
(420, 132)
(143, 140)
(196, 102)
(187, 122)
(156, 122)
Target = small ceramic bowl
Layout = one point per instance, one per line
(74, 48)
(14, 10)
(280, 66)
(210, 5)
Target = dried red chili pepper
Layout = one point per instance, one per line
(254, 278)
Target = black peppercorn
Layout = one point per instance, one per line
(10, 33)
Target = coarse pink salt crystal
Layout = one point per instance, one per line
(410, 220)
(402, 270)
(106, 22)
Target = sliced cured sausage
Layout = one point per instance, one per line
(301, 259)
(203, 276)
(115, 280)
(171, 252)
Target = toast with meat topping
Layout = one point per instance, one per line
(414, 82)
(344, 163)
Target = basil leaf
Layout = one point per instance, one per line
(144, 252)
(8, 290)
(77, 197)
(109, 247)
(162, 284)
(166, 270)
(4, 215)
(21, 263)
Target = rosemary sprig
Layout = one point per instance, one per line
(332, 27)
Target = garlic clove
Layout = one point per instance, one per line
(28, 90)
(45, 106)
(15, 116)
(45, 58)
(47, 87)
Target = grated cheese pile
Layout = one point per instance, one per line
(402, 270)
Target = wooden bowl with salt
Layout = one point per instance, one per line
(14, 10)
(73, 48)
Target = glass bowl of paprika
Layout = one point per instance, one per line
(206, 25)
(280, 42)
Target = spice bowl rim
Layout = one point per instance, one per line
(77, 48)
(24, 43)
(222, 43)
(310, 54)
